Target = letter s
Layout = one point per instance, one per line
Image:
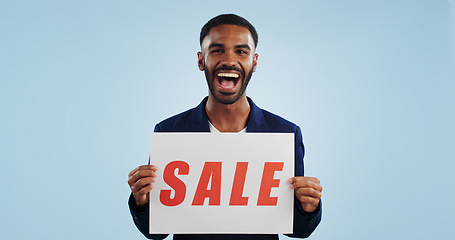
(175, 183)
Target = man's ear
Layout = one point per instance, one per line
(255, 61)
(200, 61)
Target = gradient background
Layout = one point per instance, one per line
(371, 83)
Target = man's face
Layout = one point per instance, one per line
(228, 59)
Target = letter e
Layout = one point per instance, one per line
(268, 182)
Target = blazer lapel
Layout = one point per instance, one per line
(201, 121)
(256, 122)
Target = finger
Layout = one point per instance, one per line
(306, 184)
(141, 174)
(143, 167)
(309, 200)
(142, 197)
(308, 192)
(310, 184)
(310, 207)
(141, 183)
(295, 179)
(145, 190)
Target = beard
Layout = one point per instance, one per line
(227, 98)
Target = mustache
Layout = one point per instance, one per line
(227, 68)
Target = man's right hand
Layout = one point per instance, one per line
(140, 181)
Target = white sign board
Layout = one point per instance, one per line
(222, 183)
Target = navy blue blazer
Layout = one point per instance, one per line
(196, 120)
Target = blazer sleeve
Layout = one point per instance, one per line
(304, 223)
(141, 215)
(141, 219)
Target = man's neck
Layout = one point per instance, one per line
(228, 117)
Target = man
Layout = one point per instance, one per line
(228, 58)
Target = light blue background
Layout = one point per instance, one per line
(371, 83)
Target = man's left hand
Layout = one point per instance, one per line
(308, 191)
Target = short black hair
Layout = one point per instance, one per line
(228, 19)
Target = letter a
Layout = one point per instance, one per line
(211, 170)
(268, 182)
(175, 183)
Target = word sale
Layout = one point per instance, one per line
(211, 172)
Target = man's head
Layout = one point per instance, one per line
(230, 19)
(228, 58)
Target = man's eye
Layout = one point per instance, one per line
(242, 51)
(217, 51)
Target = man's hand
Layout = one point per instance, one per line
(140, 181)
(308, 191)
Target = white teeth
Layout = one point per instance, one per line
(228, 75)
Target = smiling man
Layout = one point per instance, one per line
(228, 57)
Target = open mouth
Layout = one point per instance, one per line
(227, 81)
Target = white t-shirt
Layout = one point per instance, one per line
(214, 130)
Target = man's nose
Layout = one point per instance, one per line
(229, 59)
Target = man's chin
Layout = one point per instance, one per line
(226, 99)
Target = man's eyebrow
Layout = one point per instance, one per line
(243, 46)
(236, 46)
(216, 45)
